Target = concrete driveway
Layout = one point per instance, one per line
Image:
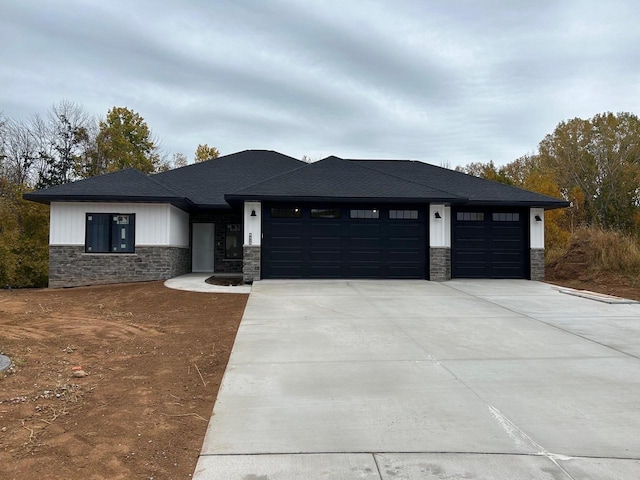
(422, 380)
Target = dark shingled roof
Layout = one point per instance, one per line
(206, 183)
(124, 185)
(268, 175)
(341, 180)
(478, 191)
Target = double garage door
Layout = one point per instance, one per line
(364, 242)
(343, 242)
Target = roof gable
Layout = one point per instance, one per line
(206, 183)
(338, 179)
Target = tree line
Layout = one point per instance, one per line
(592, 163)
(66, 144)
(69, 144)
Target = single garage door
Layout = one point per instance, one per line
(489, 243)
(343, 242)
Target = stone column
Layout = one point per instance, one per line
(250, 263)
(439, 264)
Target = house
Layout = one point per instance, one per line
(266, 215)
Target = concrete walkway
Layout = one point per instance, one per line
(422, 380)
(196, 282)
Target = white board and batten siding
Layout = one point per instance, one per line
(157, 224)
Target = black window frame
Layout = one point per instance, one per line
(110, 233)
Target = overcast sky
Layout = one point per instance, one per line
(448, 82)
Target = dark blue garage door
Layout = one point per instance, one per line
(343, 242)
(489, 243)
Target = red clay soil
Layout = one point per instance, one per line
(154, 359)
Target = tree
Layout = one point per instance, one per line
(597, 161)
(205, 152)
(24, 235)
(485, 170)
(63, 142)
(179, 160)
(125, 141)
(19, 152)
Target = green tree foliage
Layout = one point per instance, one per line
(205, 152)
(24, 233)
(594, 164)
(124, 141)
(597, 161)
(486, 170)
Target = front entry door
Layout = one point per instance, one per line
(203, 247)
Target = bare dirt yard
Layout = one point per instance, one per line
(154, 360)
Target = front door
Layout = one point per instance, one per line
(203, 247)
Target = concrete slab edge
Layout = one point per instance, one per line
(598, 297)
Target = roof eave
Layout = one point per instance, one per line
(47, 199)
(310, 198)
(547, 205)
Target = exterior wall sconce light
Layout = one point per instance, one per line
(253, 213)
(538, 219)
(437, 215)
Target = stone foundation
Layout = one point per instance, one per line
(70, 266)
(537, 264)
(251, 263)
(439, 264)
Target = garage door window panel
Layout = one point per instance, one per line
(506, 217)
(365, 214)
(403, 214)
(470, 216)
(294, 212)
(328, 213)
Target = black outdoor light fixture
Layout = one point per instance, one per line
(253, 213)
(538, 219)
(437, 215)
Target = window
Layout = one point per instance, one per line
(325, 213)
(470, 216)
(110, 233)
(506, 217)
(373, 213)
(403, 214)
(233, 241)
(286, 213)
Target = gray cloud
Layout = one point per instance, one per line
(435, 80)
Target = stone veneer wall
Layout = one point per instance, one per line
(221, 218)
(537, 264)
(251, 266)
(70, 266)
(439, 264)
